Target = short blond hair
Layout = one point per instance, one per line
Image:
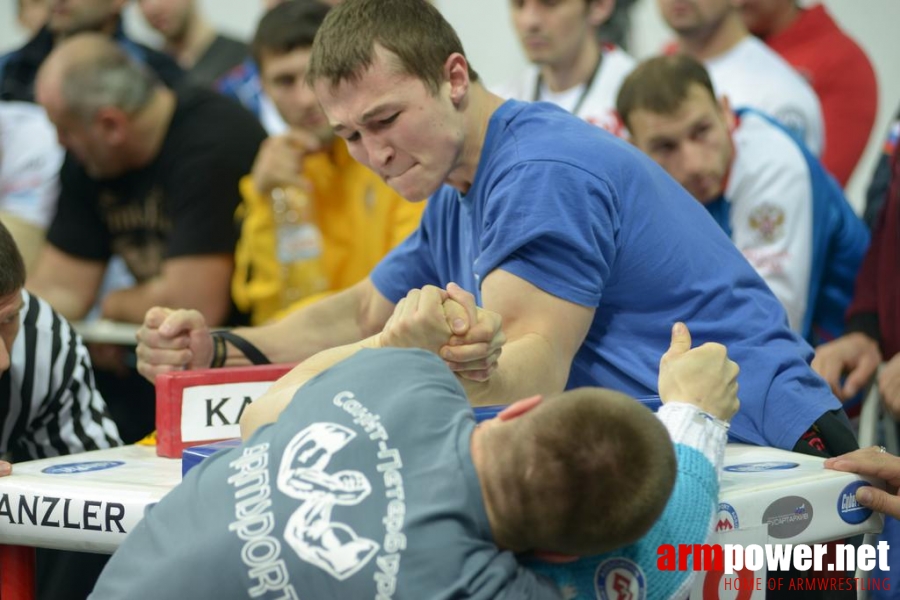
(585, 472)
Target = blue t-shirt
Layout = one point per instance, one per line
(586, 217)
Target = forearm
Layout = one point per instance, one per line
(129, 305)
(67, 302)
(337, 320)
(69, 283)
(28, 237)
(199, 282)
(529, 365)
(268, 407)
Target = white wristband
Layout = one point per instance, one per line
(689, 425)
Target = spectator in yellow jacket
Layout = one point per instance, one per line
(357, 215)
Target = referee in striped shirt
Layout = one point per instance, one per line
(48, 403)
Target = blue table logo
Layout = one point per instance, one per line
(82, 467)
(849, 510)
(758, 467)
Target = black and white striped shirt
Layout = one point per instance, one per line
(49, 404)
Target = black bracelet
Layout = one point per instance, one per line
(253, 354)
(220, 351)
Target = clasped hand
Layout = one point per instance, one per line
(448, 323)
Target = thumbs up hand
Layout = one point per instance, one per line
(702, 376)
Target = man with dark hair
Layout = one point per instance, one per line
(191, 40)
(48, 403)
(570, 67)
(583, 247)
(358, 217)
(834, 65)
(784, 212)
(372, 485)
(18, 69)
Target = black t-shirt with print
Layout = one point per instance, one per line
(180, 204)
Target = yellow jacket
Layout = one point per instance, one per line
(360, 219)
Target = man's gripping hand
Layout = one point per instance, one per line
(477, 341)
(448, 323)
(171, 340)
(703, 376)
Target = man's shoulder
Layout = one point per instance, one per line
(772, 70)
(543, 126)
(39, 317)
(203, 115)
(616, 59)
(228, 45)
(161, 63)
(527, 135)
(521, 87)
(24, 118)
(765, 154)
(760, 139)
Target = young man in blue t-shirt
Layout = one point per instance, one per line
(585, 249)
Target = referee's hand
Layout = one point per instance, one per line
(874, 462)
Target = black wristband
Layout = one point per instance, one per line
(220, 351)
(253, 354)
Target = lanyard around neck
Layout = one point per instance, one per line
(584, 93)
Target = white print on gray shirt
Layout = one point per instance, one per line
(261, 552)
(333, 547)
(389, 465)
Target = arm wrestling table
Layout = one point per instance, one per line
(89, 502)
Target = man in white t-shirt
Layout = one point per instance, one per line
(569, 68)
(743, 68)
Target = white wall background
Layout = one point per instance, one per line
(491, 45)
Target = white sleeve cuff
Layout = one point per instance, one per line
(689, 425)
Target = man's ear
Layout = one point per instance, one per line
(519, 408)
(456, 72)
(113, 125)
